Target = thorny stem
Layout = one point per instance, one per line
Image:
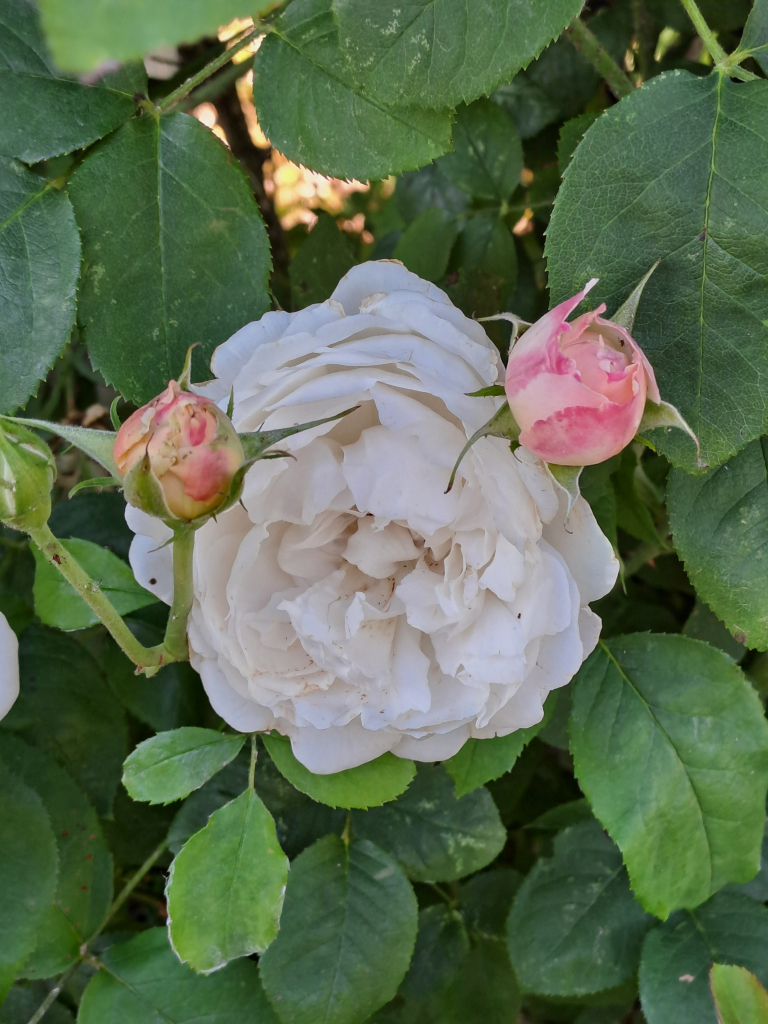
(597, 55)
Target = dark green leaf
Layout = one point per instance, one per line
(757, 887)
(441, 945)
(671, 173)
(575, 927)
(44, 114)
(487, 157)
(486, 244)
(755, 32)
(57, 603)
(674, 968)
(24, 999)
(321, 262)
(418, 191)
(169, 766)
(144, 983)
(346, 935)
(484, 990)
(632, 515)
(39, 267)
(739, 996)
(135, 830)
(443, 52)
(320, 117)
(99, 518)
(436, 837)
(425, 245)
(226, 886)
(571, 135)
(486, 900)
(703, 624)
(165, 214)
(369, 785)
(719, 521)
(670, 746)
(67, 709)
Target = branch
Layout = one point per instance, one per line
(587, 43)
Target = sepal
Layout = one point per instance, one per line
(501, 424)
(666, 415)
(97, 444)
(627, 311)
(567, 478)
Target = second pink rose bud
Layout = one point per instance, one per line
(578, 391)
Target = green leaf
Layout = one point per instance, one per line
(739, 997)
(442, 944)
(96, 517)
(369, 785)
(39, 267)
(436, 837)
(425, 245)
(480, 761)
(676, 958)
(166, 215)
(487, 156)
(486, 900)
(28, 869)
(124, 31)
(719, 521)
(632, 515)
(23, 1001)
(226, 886)
(420, 190)
(757, 887)
(144, 983)
(755, 32)
(486, 244)
(346, 935)
(321, 262)
(167, 767)
(670, 173)
(44, 114)
(703, 624)
(670, 746)
(319, 116)
(484, 990)
(439, 53)
(58, 604)
(84, 883)
(67, 709)
(571, 134)
(135, 830)
(575, 927)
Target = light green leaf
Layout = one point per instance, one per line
(676, 957)
(671, 173)
(84, 883)
(480, 761)
(39, 267)
(56, 602)
(346, 935)
(321, 262)
(442, 944)
(575, 927)
(439, 53)
(44, 114)
(144, 983)
(487, 157)
(425, 245)
(436, 837)
(670, 746)
(319, 116)
(369, 785)
(67, 710)
(739, 996)
(719, 522)
(226, 886)
(28, 869)
(167, 767)
(166, 214)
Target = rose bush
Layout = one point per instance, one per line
(351, 603)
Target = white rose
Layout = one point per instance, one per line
(352, 604)
(9, 667)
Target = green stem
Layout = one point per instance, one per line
(252, 767)
(55, 992)
(175, 641)
(717, 53)
(597, 55)
(191, 83)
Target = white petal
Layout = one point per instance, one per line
(437, 747)
(9, 667)
(326, 751)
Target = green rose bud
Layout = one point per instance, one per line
(27, 472)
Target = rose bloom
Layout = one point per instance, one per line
(352, 604)
(577, 391)
(9, 667)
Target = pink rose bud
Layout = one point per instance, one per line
(190, 448)
(577, 391)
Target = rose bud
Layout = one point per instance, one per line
(577, 391)
(27, 472)
(185, 444)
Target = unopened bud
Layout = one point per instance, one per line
(178, 455)
(27, 472)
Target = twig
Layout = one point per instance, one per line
(597, 55)
(191, 83)
(716, 51)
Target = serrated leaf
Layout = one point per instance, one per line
(369, 785)
(739, 997)
(425, 245)
(683, 187)
(346, 935)
(486, 244)
(575, 928)
(436, 837)
(57, 603)
(719, 521)
(44, 114)
(165, 213)
(319, 116)
(676, 957)
(39, 267)
(144, 983)
(442, 944)
(755, 34)
(670, 746)
(439, 53)
(226, 886)
(487, 156)
(484, 990)
(169, 766)
(322, 260)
